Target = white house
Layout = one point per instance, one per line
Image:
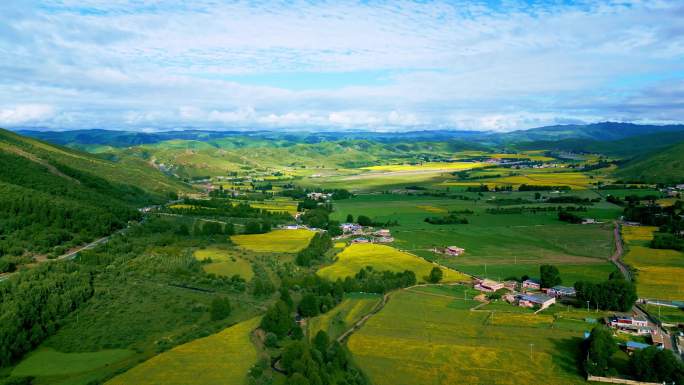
(541, 300)
(489, 285)
(626, 323)
(531, 284)
(561, 291)
(453, 250)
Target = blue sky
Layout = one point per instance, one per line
(316, 65)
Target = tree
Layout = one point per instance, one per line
(252, 228)
(435, 275)
(220, 308)
(655, 365)
(549, 276)
(537, 195)
(321, 341)
(364, 220)
(350, 218)
(309, 305)
(599, 348)
(277, 319)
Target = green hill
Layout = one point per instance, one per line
(53, 198)
(666, 166)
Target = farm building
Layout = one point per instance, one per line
(632, 346)
(383, 240)
(453, 250)
(530, 300)
(511, 285)
(531, 284)
(351, 228)
(360, 240)
(630, 324)
(382, 233)
(318, 196)
(561, 291)
(489, 285)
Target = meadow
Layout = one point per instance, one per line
(434, 338)
(357, 256)
(659, 271)
(276, 241)
(222, 358)
(223, 263)
(336, 321)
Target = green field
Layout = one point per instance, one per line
(659, 271)
(51, 366)
(357, 256)
(434, 338)
(277, 241)
(223, 263)
(343, 316)
(223, 358)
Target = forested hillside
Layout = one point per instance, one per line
(53, 198)
(666, 166)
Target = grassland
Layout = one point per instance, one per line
(659, 271)
(357, 256)
(51, 366)
(434, 338)
(277, 241)
(336, 321)
(666, 314)
(223, 263)
(223, 358)
(498, 246)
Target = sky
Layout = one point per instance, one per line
(316, 65)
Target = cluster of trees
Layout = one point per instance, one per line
(532, 187)
(484, 188)
(651, 364)
(613, 294)
(255, 227)
(220, 308)
(567, 216)
(572, 199)
(318, 246)
(549, 276)
(208, 228)
(300, 193)
(450, 219)
(220, 208)
(34, 303)
(534, 209)
(320, 362)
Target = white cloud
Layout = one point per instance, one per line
(25, 114)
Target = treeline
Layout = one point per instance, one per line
(300, 193)
(222, 208)
(572, 199)
(450, 219)
(34, 303)
(318, 246)
(534, 209)
(531, 187)
(567, 216)
(614, 294)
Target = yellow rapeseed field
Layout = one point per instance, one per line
(277, 241)
(433, 209)
(427, 166)
(223, 263)
(339, 319)
(222, 358)
(359, 255)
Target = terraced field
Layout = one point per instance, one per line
(223, 263)
(223, 358)
(277, 241)
(424, 337)
(357, 256)
(659, 271)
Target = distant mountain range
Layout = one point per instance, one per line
(607, 131)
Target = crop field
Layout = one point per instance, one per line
(222, 263)
(222, 358)
(666, 314)
(276, 241)
(428, 166)
(276, 206)
(659, 271)
(357, 256)
(336, 321)
(49, 365)
(422, 338)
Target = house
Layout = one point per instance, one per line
(531, 284)
(632, 346)
(454, 251)
(383, 240)
(535, 300)
(489, 285)
(360, 240)
(351, 228)
(511, 285)
(382, 233)
(680, 187)
(291, 227)
(630, 324)
(318, 196)
(561, 291)
(589, 221)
